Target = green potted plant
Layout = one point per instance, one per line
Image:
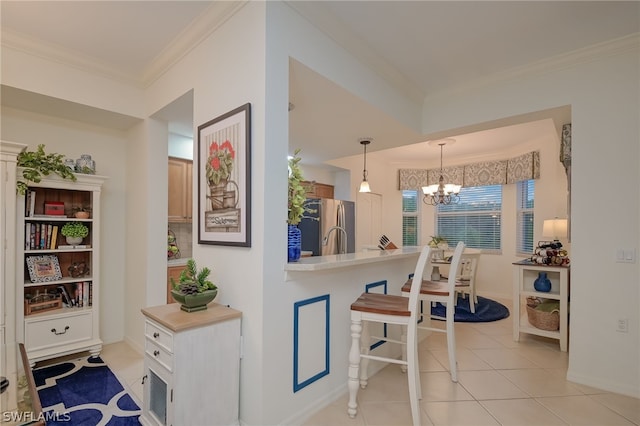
(193, 290)
(437, 242)
(38, 164)
(296, 207)
(74, 232)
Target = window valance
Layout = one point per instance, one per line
(500, 172)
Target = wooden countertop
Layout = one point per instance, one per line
(177, 320)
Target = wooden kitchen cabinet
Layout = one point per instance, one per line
(318, 190)
(191, 366)
(180, 190)
(173, 272)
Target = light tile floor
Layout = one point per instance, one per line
(501, 382)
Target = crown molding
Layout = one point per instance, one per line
(571, 59)
(61, 55)
(198, 31)
(201, 28)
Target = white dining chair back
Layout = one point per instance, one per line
(443, 292)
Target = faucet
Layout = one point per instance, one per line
(343, 246)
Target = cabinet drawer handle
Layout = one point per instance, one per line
(156, 352)
(156, 335)
(53, 330)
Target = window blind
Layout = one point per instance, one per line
(525, 203)
(410, 212)
(476, 219)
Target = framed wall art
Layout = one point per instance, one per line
(43, 268)
(224, 179)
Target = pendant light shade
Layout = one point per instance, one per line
(364, 185)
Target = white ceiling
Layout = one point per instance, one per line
(420, 47)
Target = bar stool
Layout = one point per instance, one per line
(390, 309)
(443, 292)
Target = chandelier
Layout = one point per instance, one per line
(441, 193)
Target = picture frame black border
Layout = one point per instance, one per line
(246, 223)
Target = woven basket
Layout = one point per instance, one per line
(549, 321)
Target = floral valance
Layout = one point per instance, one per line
(523, 167)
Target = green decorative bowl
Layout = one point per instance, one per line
(194, 302)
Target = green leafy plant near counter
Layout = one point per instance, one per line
(297, 191)
(74, 229)
(38, 164)
(192, 280)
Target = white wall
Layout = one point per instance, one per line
(180, 146)
(605, 111)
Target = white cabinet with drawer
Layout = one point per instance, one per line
(192, 366)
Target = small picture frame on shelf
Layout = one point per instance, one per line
(43, 268)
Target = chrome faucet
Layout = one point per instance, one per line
(343, 245)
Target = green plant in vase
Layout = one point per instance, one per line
(296, 207)
(193, 290)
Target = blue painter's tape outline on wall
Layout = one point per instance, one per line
(297, 384)
(368, 287)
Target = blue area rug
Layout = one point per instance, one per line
(486, 310)
(84, 392)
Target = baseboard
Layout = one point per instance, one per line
(304, 414)
(605, 385)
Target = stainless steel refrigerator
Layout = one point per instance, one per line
(331, 228)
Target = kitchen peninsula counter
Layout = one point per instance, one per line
(323, 263)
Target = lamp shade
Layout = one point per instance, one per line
(554, 228)
(364, 186)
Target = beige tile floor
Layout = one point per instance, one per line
(501, 382)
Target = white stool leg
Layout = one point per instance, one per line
(413, 376)
(365, 348)
(403, 339)
(354, 365)
(451, 342)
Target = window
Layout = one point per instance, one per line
(410, 203)
(475, 220)
(524, 210)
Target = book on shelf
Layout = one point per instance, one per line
(54, 237)
(76, 246)
(30, 204)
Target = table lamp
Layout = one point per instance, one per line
(555, 228)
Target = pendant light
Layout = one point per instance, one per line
(364, 185)
(441, 193)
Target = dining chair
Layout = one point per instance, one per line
(444, 292)
(389, 309)
(466, 278)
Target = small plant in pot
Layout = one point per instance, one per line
(74, 232)
(193, 290)
(82, 212)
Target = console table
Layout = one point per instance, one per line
(524, 274)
